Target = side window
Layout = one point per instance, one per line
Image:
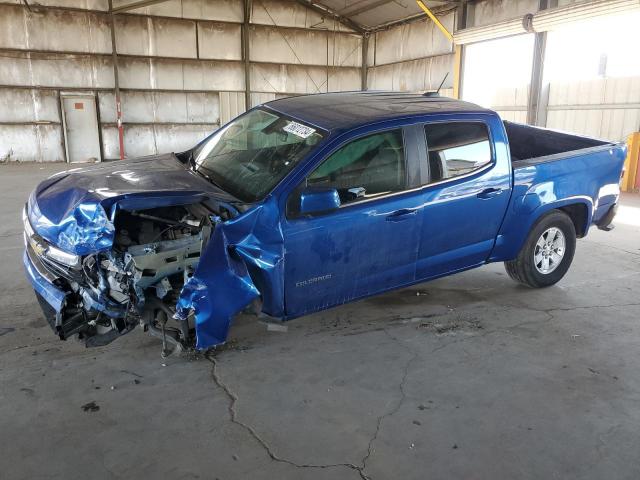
(366, 167)
(456, 149)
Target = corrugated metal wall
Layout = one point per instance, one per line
(411, 57)
(605, 107)
(180, 63)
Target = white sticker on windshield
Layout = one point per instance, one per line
(299, 130)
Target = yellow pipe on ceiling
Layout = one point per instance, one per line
(439, 24)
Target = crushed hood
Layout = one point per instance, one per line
(74, 209)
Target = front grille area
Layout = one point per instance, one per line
(36, 247)
(37, 263)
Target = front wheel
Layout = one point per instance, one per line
(547, 253)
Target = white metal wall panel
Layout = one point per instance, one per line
(140, 140)
(219, 41)
(411, 41)
(225, 10)
(302, 79)
(28, 105)
(607, 107)
(155, 36)
(222, 10)
(519, 116)
(73, 32)
(56, 71)
(162, 107)
(510, 98)
(31, 143)
(344, 50)
(493, 11)
(12, 31)
(304, 47)
(232, 104)
(176, 138)
(292, 14)
(78, 4)
(258, 98)
(344, 79)
(141, 73)
(415, 75)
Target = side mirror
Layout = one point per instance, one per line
(319, 201)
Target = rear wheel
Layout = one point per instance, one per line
(547, 253)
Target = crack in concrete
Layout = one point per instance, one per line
(360, 469)
(233, 398)
(394, 410)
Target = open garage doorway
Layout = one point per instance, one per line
(497, 73)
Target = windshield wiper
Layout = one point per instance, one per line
(192, 161)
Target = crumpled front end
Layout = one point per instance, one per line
(180, 270)
(86, 228)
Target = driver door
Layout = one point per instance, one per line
(370, 243)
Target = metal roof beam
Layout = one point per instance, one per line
(327, 12)
(370, 6)
(414, 18)
(134, 5)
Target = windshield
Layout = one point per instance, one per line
(249, 156)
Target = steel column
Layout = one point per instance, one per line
(538, 95)
(365, 55)
(116, 80)
(246, 53)
(458, 56)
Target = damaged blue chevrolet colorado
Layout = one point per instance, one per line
(306, 203)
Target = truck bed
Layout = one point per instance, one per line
(531, 145)
(556, 168)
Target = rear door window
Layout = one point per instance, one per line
(456, 148)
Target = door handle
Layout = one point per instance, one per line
(402, 214)
(489, 193)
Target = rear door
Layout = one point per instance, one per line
(466, 193)
(371, 242)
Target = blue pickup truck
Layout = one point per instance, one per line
(305, 203)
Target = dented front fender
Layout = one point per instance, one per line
(242, 261)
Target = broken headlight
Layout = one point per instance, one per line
(68, 259)
(41, 247)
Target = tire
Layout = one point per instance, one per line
(546, 255)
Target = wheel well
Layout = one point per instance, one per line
(578, 214)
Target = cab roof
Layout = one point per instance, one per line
(347, 110)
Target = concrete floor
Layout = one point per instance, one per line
(471, 376)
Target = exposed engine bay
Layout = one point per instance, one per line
(138, 281)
